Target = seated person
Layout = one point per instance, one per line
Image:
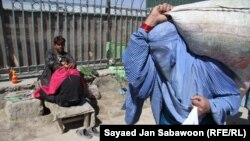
(56, 58)
(61, 81)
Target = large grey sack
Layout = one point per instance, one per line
(219, 29)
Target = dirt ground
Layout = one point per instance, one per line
(108, 107)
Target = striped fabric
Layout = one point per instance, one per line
(158, 65)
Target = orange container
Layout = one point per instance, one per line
(14, 77)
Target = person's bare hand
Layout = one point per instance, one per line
(71, 65)
(64, 63)
(157, 14)
(201, 103)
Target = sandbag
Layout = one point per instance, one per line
(219, 29)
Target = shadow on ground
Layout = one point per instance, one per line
(239, 119)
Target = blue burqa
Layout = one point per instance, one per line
(158, 65)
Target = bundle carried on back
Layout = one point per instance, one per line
(219, 29)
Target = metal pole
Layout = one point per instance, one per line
(6, 55)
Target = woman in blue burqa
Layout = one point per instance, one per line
(158, 65)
